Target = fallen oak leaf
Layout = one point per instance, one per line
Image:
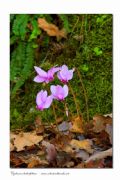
(77, 125)
(61, 140)
(83, 144)
(12, 136)
(100, 121)
(68, 149)
(36, 162)
(26, 139)
(101, 139)
(51, 29)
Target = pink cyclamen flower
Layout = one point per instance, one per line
(45, 76)
(43, 101)
(64, 74)
(59, 92)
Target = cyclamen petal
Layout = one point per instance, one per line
(40, 72)
(64, 68)
(53, 89)
(59, 92)
(59, 76)
(48, 102)
(38, 98)
(65, 88)
(70, 74)
(43, 101)
(64, 74)
(44, 96)
(39, 79)
(53, 70)
(45, 76)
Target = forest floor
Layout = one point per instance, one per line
(67, 144)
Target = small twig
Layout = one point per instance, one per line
(100, 155)
(85, 94)
(75, 24)
(73, 94)
(66, 108)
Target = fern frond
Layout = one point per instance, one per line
(19, 27)
(17, 60)
(27, 66)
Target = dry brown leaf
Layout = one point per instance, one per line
(33, 163)
(77, 125)
(51, 29)
(83, 144)
(69, 164)
(63, 158)
(40, 130)
(12, 147)
(26, 139)
(12, 136)
(36, 162)
(95, 164)
(39, 126)
(16, 161)
(92, 164)
(100, 122)
(109, 130)
(68, 149)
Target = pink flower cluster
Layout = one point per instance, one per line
(58, 92)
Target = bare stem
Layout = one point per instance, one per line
(55, 116)
(56, 107)
(85, 94)
(78, 109)
(75, 24)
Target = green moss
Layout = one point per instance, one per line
(87, 33)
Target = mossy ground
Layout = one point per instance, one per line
(89, 48)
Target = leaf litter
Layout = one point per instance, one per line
(85, 145)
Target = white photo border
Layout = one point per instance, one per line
(56, 7)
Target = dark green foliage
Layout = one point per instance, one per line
(23, 58)
(19, 27)
(65, 21)
(88, 47)
(36, 31)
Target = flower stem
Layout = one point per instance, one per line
(85, 94)
(55, 116)
(75, 101)
(56, 107)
